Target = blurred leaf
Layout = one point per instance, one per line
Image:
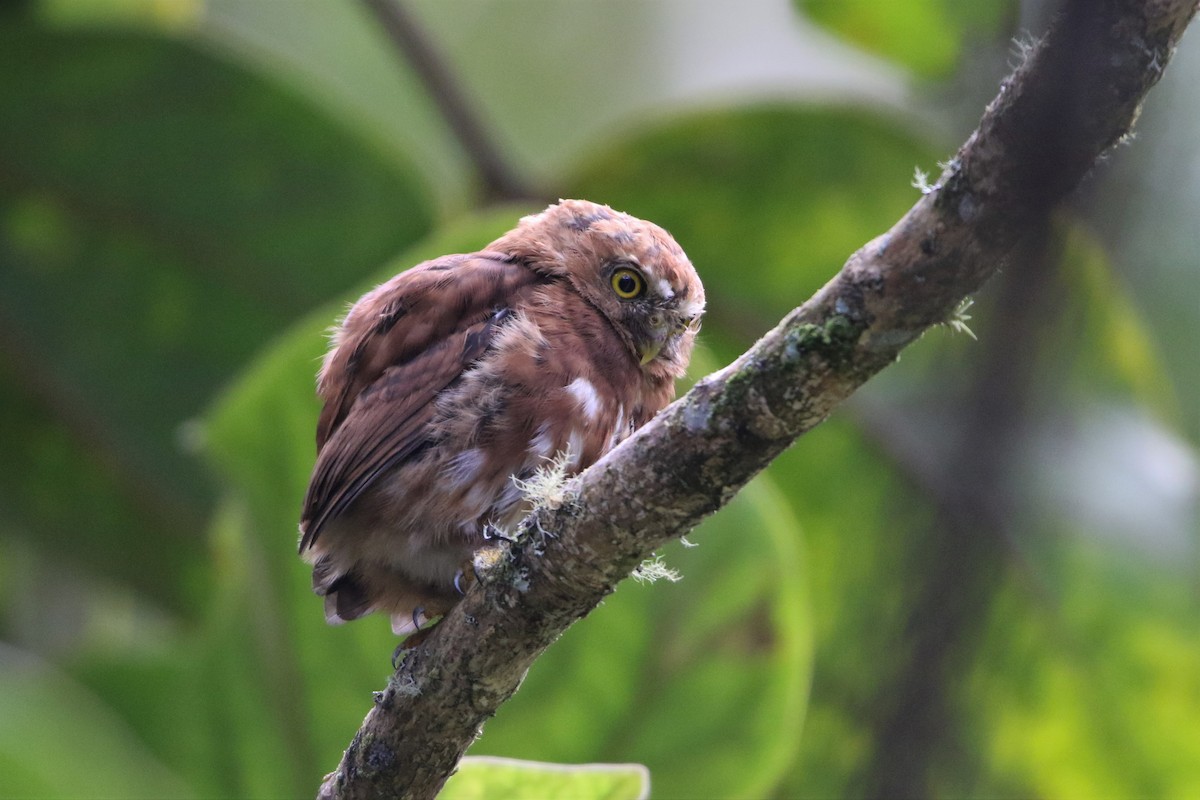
(161, 215)
(1112, 344)
(862, 534)
(58, 741)
(1086, 698)
(926, 36)
(632, 62)
(489, 778)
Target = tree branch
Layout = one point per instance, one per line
(1076, 95)
(500, 181)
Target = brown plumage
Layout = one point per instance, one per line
(457, 379)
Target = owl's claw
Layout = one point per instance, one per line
(417, 613)
(465, 576)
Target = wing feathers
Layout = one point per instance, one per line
(399, 347)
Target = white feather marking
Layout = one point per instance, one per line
(464, 468)
(618, 432)
(575, 448)
(585, 394)
(691, 308)
(542, 444)
(664, 288)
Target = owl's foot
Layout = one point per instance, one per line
(465, 577)
(411, 641)
(415, 638)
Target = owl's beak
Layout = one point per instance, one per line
(650, 349)
(660, 332)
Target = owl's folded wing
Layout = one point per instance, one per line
(399, 347)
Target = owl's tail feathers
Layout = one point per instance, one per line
(348, 597)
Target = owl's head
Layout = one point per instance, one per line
(629, 269)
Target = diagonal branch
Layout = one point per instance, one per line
(500, 181)
(1076, 95)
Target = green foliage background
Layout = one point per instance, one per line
(190, 192)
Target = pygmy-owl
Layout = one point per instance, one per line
(452, 383)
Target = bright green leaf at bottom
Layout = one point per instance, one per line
(489, 778)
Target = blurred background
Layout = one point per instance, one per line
(979, 578)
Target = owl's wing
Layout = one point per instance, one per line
(399, 347)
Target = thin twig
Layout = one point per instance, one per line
(500, 180)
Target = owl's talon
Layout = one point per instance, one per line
(458, 581)
(417, 613)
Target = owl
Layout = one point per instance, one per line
(451, 384)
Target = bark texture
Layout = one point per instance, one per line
(1074, 97)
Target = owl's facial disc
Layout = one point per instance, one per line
(655, 314)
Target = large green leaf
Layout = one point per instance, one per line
(58, 741)
(926, 36)
(161, 215)
(1086, 697)
(597, 71)
(704, 680)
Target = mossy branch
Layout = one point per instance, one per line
(1075, 96)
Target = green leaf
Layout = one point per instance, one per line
(162, 214)
(1084, 699)
(1111, 344)
(485, 778)
(58, 741)
(703, 680)
(926, 36)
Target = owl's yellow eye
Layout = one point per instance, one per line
(628, 283)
